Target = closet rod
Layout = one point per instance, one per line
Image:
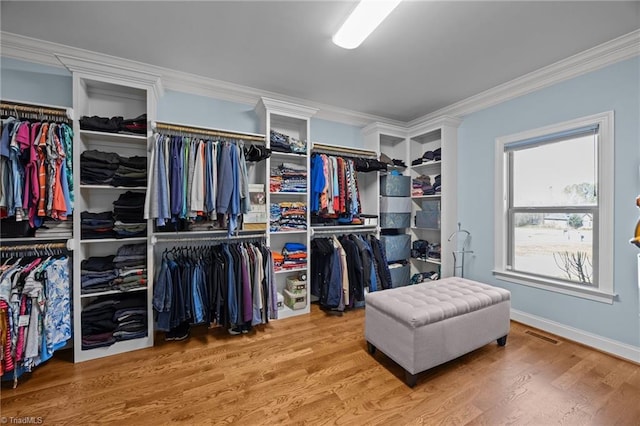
(206, 132)
(15, 106)
(50, 246)
(156, 240)
(342, 231)
(323, 148)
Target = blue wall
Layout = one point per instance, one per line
(35, 83)
(330, 132)
(612, 88)
(185, 108)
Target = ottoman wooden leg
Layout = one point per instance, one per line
(371, 349)
(410, 379)
(502, 341)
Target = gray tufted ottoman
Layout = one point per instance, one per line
(424, 325)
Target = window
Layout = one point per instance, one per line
(554, 206)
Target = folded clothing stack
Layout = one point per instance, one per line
(96, 225)
(132, 171)
(106, 321)
(130, 319)
(136, 125)
(278, 260)
(295, 255)
(97, 167)
(428, 157)
(97, 274)
(109, 168)
(422, 186)
(288, 216)
(283, 143)
(128, 211)
(97, 324)
(288, 177)
(127, 270)
(437, 184)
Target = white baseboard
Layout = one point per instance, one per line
(622, 350)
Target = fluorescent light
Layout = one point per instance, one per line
(365, 18)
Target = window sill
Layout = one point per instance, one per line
(556, 286)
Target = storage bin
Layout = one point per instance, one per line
(396, 247)
(295, 301)
(296, 286)
(395, 186)
(395, 204)
(428, 219)
(395, 220)
(400, 276)
(431, 205)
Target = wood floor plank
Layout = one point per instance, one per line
(315, 369)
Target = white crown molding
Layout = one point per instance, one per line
(433, 124)
(278, 106)
(47, 53)
(616, 50)
(603, 344)
(385, 129)
(134, 76)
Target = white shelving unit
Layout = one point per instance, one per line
(294, 121)
(107, 97)
(428, 137)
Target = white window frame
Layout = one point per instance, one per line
(603, 241)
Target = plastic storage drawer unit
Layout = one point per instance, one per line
(396, 247)
(295, 301)
(395, 186)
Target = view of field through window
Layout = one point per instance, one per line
(557, 183)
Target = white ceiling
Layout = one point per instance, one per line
(425, 56)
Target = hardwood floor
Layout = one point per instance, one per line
(316, 370)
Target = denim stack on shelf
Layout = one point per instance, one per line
(131, 262)
(97, 274)
(130, 319)
(96, 225)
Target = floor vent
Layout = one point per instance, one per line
(542, 337)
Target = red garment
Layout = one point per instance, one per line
(5, 339)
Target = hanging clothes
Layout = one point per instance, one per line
(230, 284)
(343, 267)
(334, 188)
(194, 180)
(35, 312)
(36, 172)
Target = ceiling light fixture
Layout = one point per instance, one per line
(367, 15)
